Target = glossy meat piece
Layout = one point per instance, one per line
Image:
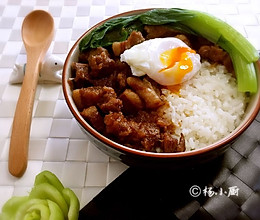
(146, 92)
(181, 145)
(92, 115)
(171, 145)
(117, 125)
(151, 133)
(103, 97)
(131, 102)
(121, 81)
(76, 96)
(89, 96)
(110, 104)
(80, 73)
(135, 37)
(108, 81)
(99, 60)
(216, 54)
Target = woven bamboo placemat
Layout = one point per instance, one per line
(226, 188)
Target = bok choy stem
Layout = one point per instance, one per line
(214, 29)
(244, 70)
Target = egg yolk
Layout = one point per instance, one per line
(179, 55)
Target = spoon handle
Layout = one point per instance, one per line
(19, 143)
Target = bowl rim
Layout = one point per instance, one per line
(224, 141)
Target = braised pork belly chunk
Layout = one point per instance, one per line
(129, 109)
(134, 38)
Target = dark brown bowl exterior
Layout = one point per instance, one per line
(142, 159)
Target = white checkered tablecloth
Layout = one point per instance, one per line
(57, 144)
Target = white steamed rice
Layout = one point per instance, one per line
(208, 107)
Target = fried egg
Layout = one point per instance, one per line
(168, 61)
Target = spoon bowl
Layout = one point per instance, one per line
(36, 28)
(37, 34)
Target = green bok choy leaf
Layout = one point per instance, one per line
(242, 52)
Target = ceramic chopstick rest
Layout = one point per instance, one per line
(50, 72)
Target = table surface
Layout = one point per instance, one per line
(56, 142)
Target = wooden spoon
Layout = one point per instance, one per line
(37, 34)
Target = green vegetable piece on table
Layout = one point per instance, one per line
(48, 177)
(55, 211)
(10, 208)
(47, 191)
(48, 200)
(33, 209)
(72, 201)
